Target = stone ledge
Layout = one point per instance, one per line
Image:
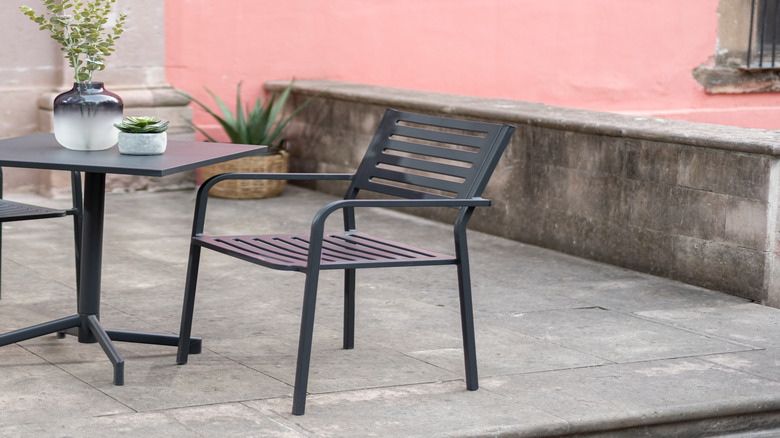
(131, 96)
(727, 80)
(754, 141)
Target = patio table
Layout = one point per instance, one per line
(41, 151)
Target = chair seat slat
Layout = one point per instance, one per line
(13, 211)
(290, 251)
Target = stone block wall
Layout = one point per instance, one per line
(687, 201)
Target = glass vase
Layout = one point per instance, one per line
(84, 117)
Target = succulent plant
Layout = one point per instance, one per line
(142, 125)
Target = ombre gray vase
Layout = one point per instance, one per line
(84, 117)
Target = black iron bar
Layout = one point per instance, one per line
(750, 36)
(775, 25)
(762, 31)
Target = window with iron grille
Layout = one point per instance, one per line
(763, 44)
(747, 49)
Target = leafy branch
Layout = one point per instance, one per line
(79, 28)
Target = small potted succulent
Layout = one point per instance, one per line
(143, 135)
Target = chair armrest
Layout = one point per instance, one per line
(202, 196)
(285, 176)
(350, 203)
(318, 223)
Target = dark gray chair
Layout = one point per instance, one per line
(415, 161)
(16, 211)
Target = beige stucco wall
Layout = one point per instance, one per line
(733, 30)
(34, 71)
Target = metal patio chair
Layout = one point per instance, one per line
(11, 211)
(416, 161)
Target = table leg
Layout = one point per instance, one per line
(35, 331)
(91, 251)
(113, 355)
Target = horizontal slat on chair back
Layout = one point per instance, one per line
(419, 156)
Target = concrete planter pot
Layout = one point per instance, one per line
(142, 144)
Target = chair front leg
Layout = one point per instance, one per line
(349, 309)
(304, 342)
(467, 326)
(188, 307)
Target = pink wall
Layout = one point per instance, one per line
(613, 55)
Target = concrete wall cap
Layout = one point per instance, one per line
(731, 138)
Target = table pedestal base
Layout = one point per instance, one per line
(89, 330)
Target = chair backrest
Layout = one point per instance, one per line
(421, 157)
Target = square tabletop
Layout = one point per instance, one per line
(41, 151)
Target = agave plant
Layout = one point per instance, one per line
(262, 124)
(142, 125)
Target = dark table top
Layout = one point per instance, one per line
(41, 151)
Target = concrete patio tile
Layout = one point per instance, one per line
(505, 352)
(135, 424)
(614, 336)
(656, 294)
(154, 381)
(47, 249)
(761, 363)
(440, 409)
(170, 251)
(232, 419)
(747, 323)
(22, 284)
(31, 386)
(636, 394)
(274, 352)
(15, 314)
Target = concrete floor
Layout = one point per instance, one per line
(566, 346)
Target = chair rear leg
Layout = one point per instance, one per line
(467, 325)
(1, 249)
(349, 309)
(77, 249)
(188, 307)
(304, 343)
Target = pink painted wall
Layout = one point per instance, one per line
(612, 55)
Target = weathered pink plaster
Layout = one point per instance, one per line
(610, 55)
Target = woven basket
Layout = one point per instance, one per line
(248, 189)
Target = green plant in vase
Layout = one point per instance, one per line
(83, 116)
(80, 28)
